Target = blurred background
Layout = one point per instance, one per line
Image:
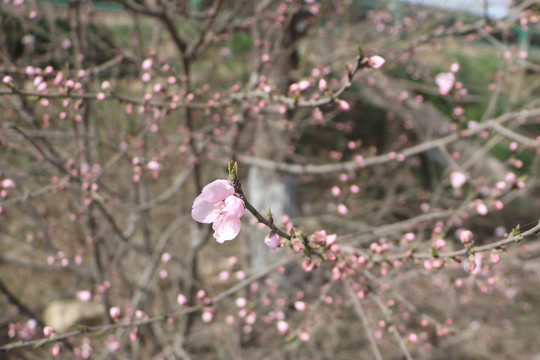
(115, 114)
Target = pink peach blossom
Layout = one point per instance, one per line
(219, 205)
(445, 82)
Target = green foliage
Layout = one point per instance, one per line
(241, 43)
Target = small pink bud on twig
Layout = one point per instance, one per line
(147, 64)
(272, 241)
(376, 62)
(343, 105)
(323, 85)
(466, 237)
(115, 313)
(282, 326)
(445, 82)
(181, 299)
(495, 257)
(8, 80)
(48, 331)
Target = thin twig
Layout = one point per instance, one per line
(389, 321)
(362, 315)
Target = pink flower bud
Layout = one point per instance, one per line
(495, 257)
(319, 237)
(272, 241)
(105, 85)
(438, 263)
(304, 336)
(147, 64)
(297, 245)
(343, 105)
(293, 88)
(146, 77)
(510, 177)
(466, 237)
(376, 62)
(445, 82)
(481, 209)
(207, 315)
(303, 85)
(513, 146)
(84, 295)
(55, 351)
(342, 210)
(181, 299)
(282, 326)
(300, 305)
(8, 80)
(457, 179)
(323, 85)
(48, 331)
(115, 312)
(8, 184)
(439, 244)
(133, 335)
(58, 78)
(241, 302)
(153, 165)
(408, 237)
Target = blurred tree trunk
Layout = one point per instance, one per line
(270, 189)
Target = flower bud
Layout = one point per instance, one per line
(466, 237)
(323, 85)
(115, 312)
(343, 105)
(376, 62)
(272, 241)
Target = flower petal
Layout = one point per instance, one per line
(226, 228)
(204, 211)
(216, 190)
(234, 207)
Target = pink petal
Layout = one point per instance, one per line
(234, 207)
(226, 228)
(204, 211)
(217, 190)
